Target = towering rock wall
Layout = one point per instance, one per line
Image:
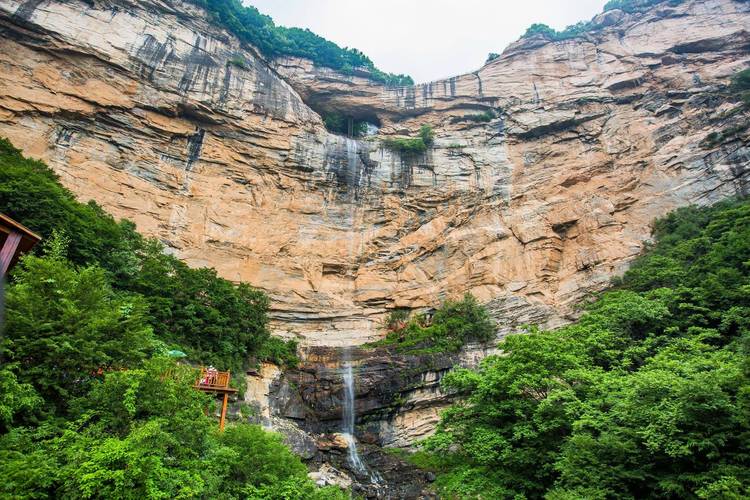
(164, 118)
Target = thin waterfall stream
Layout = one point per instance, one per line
(348, 419)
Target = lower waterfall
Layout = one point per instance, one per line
(348, 420)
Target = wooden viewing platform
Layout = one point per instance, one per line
(216, 382)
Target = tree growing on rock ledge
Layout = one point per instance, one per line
(411, 146)
(449, 328)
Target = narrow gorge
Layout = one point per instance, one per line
(540, 183)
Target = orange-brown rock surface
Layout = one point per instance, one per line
(163, 118)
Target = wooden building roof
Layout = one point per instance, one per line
(15, 239)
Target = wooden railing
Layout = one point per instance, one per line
(210, 378)
(213, 381)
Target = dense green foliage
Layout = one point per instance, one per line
(412, 146)
(238, 61)
(427, 134)
(212, 320)
(407, 146)
(91, 404)
(549, 33)
(258, 29)
(451, 326)
(142, 433)
(484, 117)
(63, 325)
(646, 396)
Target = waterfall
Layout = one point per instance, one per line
(348, 419)
(352, 164)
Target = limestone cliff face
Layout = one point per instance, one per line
(163, 118)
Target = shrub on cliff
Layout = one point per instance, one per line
(412, 146)
(483, 117)
(451, 326)
(427, 134)
(406, 146)
(491, 57)
(646, 396)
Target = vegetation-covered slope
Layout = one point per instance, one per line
(249, 25)
(91, 403)
(646, 396)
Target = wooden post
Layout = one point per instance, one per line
(223, 411)
(8, 251)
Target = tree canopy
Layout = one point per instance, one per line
(646, 396)
(143, 433)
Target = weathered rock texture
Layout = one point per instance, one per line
(148, 108)
(398, 398)
(397, 402)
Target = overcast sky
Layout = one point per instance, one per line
(427, 39)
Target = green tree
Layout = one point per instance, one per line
(16, 399)
(427, 134)
(216, 321)
(453, 325)
(142, 433)
(63, 326)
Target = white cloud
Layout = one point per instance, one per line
(426, 39)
